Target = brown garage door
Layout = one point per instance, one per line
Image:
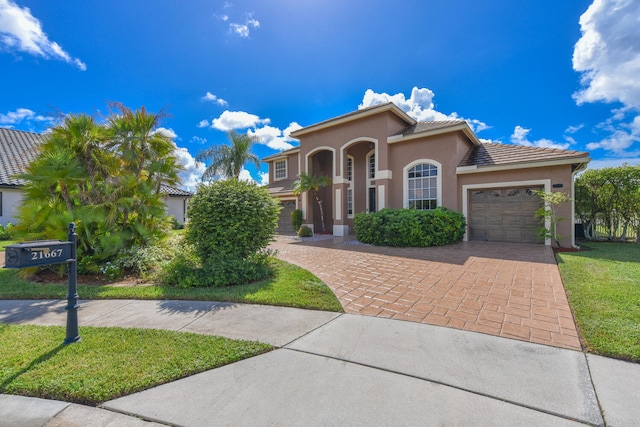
(285, 224)
(505, 215)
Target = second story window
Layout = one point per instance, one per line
(280, 169)
(349, 169)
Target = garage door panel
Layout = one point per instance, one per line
(285, 223)
(504, 214)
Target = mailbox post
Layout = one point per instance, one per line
(72, 297)
(47, 252)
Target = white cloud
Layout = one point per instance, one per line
(608, 53)
(275, 138)
(203, 123)
(419, 106)
(24, 115)
(20, 31)
(229, 120)
(244, 30)
(520, 137)
(264, 178)
(608, 57)
(621, 137)
(193, 170)
(169, 133)
(212, 98)
(199, 140)
(574, 129)
(245, 176)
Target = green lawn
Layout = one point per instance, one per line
(5, 243)
(291, 286)
(107, 362)
(603, 288)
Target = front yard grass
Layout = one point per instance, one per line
(603, 288)
(291, 286)
(108, 362)
(5, 243)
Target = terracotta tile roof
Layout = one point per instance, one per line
(17, 150)
(494, 154)
(284, 186)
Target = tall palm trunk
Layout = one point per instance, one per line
(315, 194)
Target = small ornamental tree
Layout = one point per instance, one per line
(549, 211)
(296, 219)
(311, 183)
(231, 219)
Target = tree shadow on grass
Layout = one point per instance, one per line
(34, 363)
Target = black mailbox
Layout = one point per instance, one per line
(33, 254)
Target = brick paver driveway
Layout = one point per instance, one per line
(504, 289)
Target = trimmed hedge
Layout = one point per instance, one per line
(410, 227)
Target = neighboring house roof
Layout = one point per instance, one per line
(355, 115)
(17, 150)
(174, 192)
(489, 155)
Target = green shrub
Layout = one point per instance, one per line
(186, 270)
(410, 227)
(231, 218)
(145, 261)
(6, 231)
(296, 218)
(305, 231)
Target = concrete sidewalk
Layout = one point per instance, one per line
(342, 369)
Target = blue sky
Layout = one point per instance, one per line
(544, 73)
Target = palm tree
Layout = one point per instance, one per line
(228, 160)
(311, 183)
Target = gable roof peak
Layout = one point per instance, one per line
(355, 115)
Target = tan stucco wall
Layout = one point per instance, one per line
(447, 149)
(377, 127)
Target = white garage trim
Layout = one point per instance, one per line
(546, 183)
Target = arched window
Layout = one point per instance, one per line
(422, 186)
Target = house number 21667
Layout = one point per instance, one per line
(45, 254)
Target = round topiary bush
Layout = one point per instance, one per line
(231, 219)
(305, 231)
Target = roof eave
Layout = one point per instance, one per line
(462, 170)
(281, 155)
(354, 116)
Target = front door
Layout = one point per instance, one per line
(372, 199)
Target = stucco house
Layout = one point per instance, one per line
(379, 157)
(19, 148)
